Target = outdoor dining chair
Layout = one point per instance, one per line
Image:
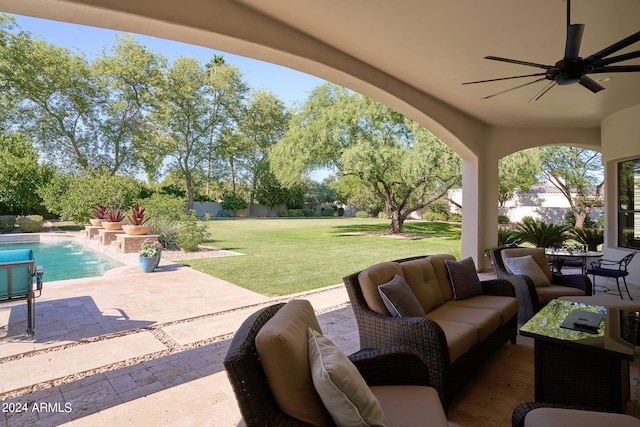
(620, 272)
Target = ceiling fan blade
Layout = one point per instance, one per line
(591, 84)
(628, 41)
(546, 89)
(616, 69)
(514, 88)
(504, 78)
(515, 61)
(574, 38)
(618, 58)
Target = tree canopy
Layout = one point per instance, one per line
(401, 164)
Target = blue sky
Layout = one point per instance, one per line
(289, 85)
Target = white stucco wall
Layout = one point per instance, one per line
(621, 141)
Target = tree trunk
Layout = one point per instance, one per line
(580, 217)
(397, 221)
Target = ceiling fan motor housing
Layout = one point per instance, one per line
(567, 71)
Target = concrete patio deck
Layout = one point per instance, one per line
(139, 349)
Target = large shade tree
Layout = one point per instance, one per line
(518, 171)
(262, 124)
(404, 165)
(578, 174)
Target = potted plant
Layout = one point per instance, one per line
(149, 255)
(113, 219)
(137, 220)
(98, 216)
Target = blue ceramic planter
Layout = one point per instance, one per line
(148, 264)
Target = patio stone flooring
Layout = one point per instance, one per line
(139, 349)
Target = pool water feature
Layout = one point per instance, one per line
(66, 260)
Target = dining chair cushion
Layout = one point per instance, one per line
(527, 266)
(399, 298)
(341, 387)
(464, 278)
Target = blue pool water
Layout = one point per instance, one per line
(62, 261)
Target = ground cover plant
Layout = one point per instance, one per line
(289, 255)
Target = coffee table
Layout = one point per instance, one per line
(582, 368)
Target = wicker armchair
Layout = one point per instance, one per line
(530, 298)
(427, 337)
(378, 367)
(568, 416)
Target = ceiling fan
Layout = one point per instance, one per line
(572, 68)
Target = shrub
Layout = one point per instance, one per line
(30, 223)
(590, 237)
(384, 215)
(307, 212)
(362, 214)
(282, 213)
(540, 234)
(340, 211)
(455, 217)
(167, 230)
(75, 197)
(7, 223)
(233, 202)
(295, 212)
(435, 216)
(327, 211)
(191, 233)
(503, 219)
(164, 205)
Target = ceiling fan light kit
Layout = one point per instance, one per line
(572, 68)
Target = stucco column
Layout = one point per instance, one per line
(479, 208)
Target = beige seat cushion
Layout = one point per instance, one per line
(547, 293)
(410, 405)
(485, 320)
(556, 417)
(282, 345)
(460, 337)
(506, 306)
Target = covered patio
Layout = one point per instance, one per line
(133, 348)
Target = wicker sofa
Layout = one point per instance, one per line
(532, 298)
(455, 335)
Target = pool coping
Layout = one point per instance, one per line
(78, 238)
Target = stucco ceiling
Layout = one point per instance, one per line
(430, 46)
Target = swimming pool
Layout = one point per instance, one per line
(63, 261)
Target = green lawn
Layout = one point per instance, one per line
(286, 255)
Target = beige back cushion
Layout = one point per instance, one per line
(283, 347)
(442, 274)
(423, 282)
(536, 253)
(373, 277)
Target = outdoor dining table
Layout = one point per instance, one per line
(558, 257)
